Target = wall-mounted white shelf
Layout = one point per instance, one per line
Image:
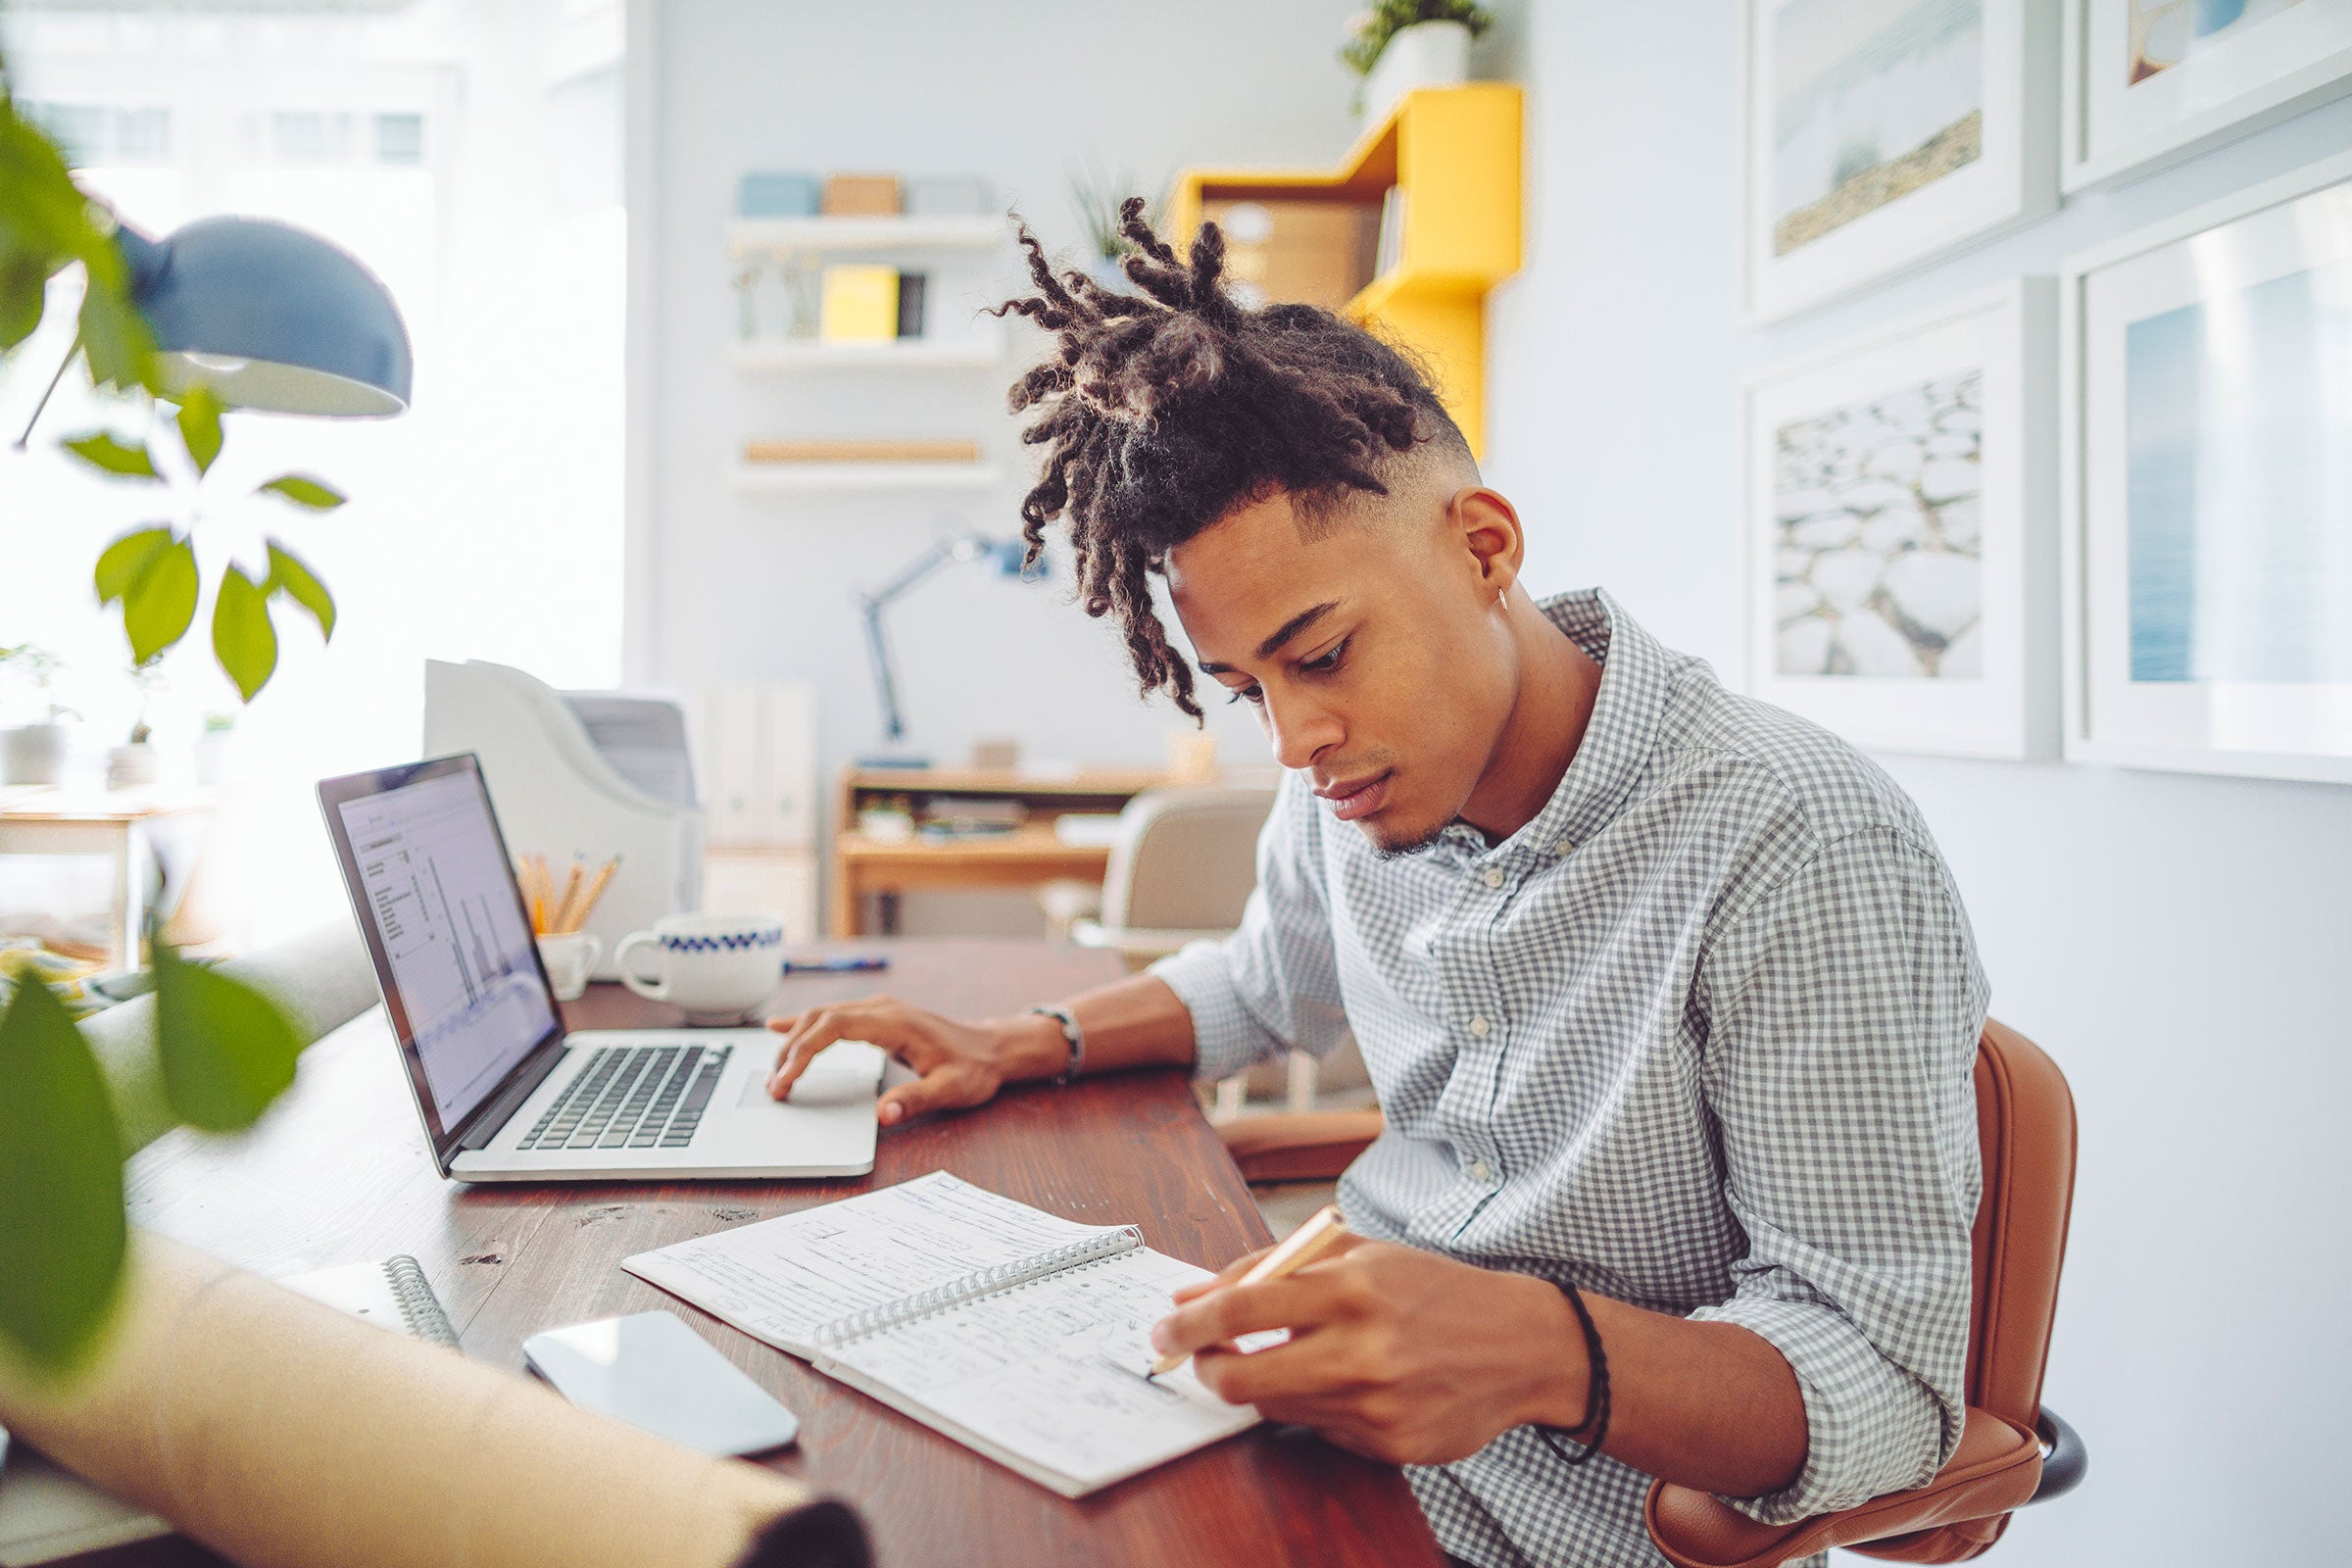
(781, 354)
(806, 478)
(747, 234)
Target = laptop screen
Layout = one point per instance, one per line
(430, 881)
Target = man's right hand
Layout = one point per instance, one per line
(956, 1064)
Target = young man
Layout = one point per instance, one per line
(1668, 998)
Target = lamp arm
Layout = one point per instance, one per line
(63, 366)
(877, 652)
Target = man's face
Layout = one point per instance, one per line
(1374, 647)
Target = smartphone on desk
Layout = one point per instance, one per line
(658, 1375)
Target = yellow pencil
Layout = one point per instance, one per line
(556, 920)
(596, 890)
(1300, 1248)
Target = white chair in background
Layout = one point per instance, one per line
(596, 774)
(1181, 870)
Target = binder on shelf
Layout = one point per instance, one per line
(860, 304)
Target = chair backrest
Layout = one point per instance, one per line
(2025, 1132)
(1186, 858)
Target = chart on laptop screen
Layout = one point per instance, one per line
(438, 887)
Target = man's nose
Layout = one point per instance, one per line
(1301, 730)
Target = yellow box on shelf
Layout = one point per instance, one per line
(860, 304)
(1454, 155)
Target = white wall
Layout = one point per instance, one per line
(2180, 945)
(751, 589)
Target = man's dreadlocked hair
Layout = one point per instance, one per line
(1166, 409)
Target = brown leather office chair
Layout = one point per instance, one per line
(2025, 1129)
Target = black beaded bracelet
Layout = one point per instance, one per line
(1597, 1390)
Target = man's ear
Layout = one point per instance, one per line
(1488, 529)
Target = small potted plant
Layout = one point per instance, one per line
(1096, 196)
(33, 752)
(1398, 45)
(132, 765)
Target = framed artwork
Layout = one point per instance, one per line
(2208, 487)
(1901, 547)
(2148, 82)
(1879, 135)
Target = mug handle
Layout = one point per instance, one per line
(651, 990)
(596, 951)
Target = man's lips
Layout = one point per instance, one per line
(1349, 801)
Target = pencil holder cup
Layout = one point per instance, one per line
(570, 957)
(718, 967)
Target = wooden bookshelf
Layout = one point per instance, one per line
(1455, 154)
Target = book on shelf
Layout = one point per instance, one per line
(859, 304)
(1389, 254)
(913, 286)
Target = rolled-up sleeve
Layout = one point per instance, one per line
(1842, 1013)
(1273, 985)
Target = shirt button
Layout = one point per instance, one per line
(1479, 1171)
(1560, 848)
(1479, 1027)
(1494, 878)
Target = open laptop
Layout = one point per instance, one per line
(506, 1093)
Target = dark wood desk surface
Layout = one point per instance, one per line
(340, 1171)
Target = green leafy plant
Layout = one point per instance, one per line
(47, 225)
(1095, 194)
(30, 666)
(221, 1050)
(1369, 31)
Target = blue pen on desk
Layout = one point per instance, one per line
(833, 965)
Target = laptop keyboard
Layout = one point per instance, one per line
(633, 1096)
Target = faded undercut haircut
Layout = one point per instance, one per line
(1167, 408)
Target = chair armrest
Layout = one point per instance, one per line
(1994, 1470)
(1312, 1146)
(1137, 944)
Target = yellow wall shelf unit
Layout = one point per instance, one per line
(1454, 152)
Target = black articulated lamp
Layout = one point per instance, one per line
(267, 316)
(1004, 557)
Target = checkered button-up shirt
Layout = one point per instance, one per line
(1698, 1037)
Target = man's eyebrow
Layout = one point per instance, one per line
(1272, 645)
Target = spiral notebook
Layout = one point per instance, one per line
(1018, 1333)
(48, 1513)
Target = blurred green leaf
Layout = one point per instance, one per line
(200, 427)
(24, 281)
(243, 640)
(289, 576)
(227, 1051)
(116, 338)
(118, 567)
(62, 1232)
(161, 604)
(102, 451)
(305, 491)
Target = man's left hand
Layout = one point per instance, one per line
(1400, 1354)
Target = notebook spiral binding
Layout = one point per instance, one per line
(419, 1308)
(986, 1282)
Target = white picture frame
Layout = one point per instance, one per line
(1824, 513)
(2181, 667)
(2276, 59)
(2009, 71)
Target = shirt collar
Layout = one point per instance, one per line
(1627, 713)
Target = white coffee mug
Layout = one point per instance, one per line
(718, 967)
(571, 958)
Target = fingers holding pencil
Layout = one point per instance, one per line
(1211, 1312)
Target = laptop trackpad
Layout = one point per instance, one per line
(846, 1072)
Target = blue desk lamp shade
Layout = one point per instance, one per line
(270, 318)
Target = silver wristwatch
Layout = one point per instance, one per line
(1071, 1033)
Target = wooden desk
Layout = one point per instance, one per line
(1029, 857)
(37, 820)
(339, 1171)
